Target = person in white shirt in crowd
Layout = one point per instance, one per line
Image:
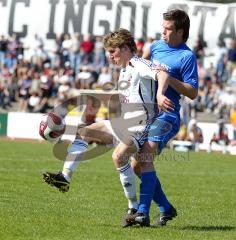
(195, 134)
(105, 77)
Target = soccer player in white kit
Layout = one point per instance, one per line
(137, 93)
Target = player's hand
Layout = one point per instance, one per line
(164, 103)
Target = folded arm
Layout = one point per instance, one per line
(183, 88)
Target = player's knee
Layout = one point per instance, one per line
(118, 159)
(115, 157)
(82, 133)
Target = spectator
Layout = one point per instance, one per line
(33, 102)
(74, 51)
(232, 55)
(182, 134)
(104, 78)
(11, 87)
(85, 78)
(24, 87)
(220, 137)
(220, 51)
(92, 107)
(99, 52)
(66, 47)
(10, 61)
(4, 96)
(86, 49)
(232, 79)
(64, 88)
(195, 134)
(12, 46)
(199, 50)
(222, 72)
(187, 109)
(140, 44)
(233, 123)
(3, 49)
(35, 85)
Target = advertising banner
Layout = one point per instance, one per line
(3, 124)
(49, 18)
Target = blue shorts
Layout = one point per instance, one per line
(160, 129)
(165, 126)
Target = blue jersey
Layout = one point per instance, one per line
(180, 63)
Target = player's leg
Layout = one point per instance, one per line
(148, 182)
(171, 122)
(120, 157)
(97, 132)
(61, 180)
(149, 191)
(140, 167)
(135, 165)
(164, 128)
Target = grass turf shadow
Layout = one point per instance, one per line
(209, 228)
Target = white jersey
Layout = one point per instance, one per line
(137, 88)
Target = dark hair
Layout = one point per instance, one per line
(181, 20)
(119, 39)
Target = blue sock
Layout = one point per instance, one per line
(147, 188)
(160, 198)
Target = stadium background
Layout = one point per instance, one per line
(40, 66)
(51, 51)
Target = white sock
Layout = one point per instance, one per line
(75, 154)
(127, 178)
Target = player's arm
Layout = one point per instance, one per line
(179, 86)
(183, 88)
(189, 84)
(163, 102)
(163, 78)
(148, 72)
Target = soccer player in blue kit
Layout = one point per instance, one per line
(172, 54)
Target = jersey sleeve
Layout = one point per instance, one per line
(145, 69)
(189, 70)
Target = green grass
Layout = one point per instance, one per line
(202, 188)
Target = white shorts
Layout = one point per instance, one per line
(138, 133)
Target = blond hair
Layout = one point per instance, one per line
(119, 39)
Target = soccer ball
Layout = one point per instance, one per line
(52, 127)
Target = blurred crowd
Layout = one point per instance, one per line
(217, 78)
(39, 76)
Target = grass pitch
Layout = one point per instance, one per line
(202, 187)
